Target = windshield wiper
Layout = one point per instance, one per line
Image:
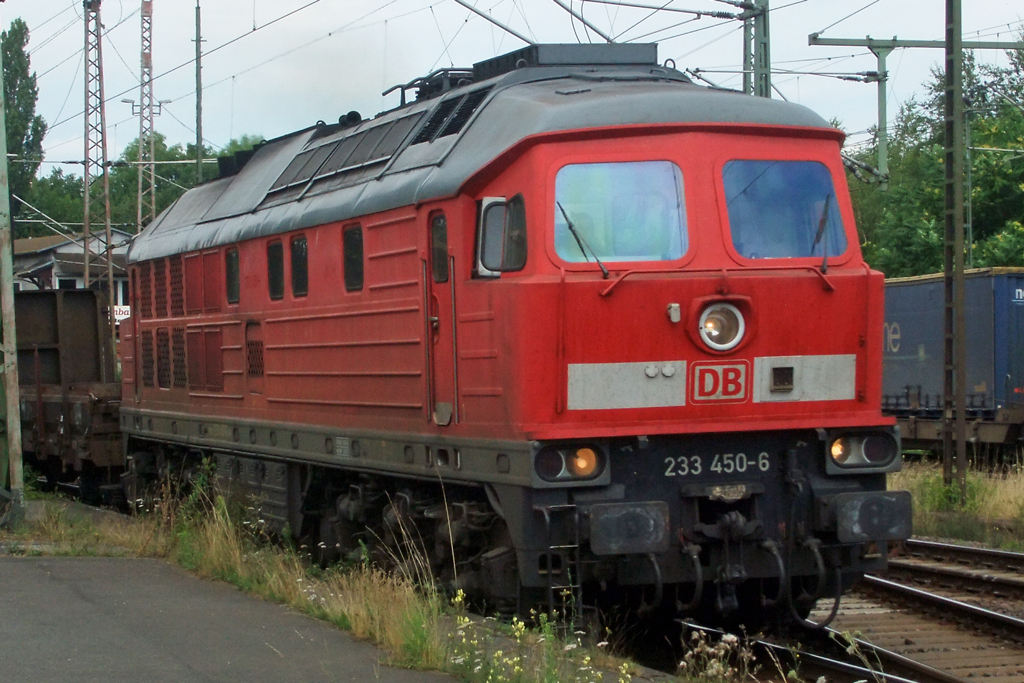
(582, 242)
(823, 234)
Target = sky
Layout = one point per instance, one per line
(271, 67)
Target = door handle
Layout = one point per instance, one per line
(435, 322)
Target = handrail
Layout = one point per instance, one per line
(827, 284)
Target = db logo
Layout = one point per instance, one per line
(718, 382)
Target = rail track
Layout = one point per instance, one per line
(944, 613)
(987, 578)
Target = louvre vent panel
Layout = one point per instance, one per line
(458, 120)
(146, 290)
(436, 120)
(148, 365)
(160, 287)
(163, 358)
(178, 356)
(254, 357)
(177, 287)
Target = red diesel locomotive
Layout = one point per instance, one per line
(585, 326)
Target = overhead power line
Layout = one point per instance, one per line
(106, 32)
(192, 61)
(47, 21)
(836, 23)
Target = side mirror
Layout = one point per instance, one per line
(501, 239)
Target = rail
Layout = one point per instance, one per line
(725, 272)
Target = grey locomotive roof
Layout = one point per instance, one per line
(516, 105)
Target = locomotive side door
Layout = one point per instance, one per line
(440, 324)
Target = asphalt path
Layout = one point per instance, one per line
(146, 621)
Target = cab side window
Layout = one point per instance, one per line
(300, 266)
(231, 275)
(275, 270)
(439, 247)
(352, 258)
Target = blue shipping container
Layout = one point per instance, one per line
(913, 342)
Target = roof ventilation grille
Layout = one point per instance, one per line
(469, 104)
(436, 120)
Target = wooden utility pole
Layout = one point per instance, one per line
(954, 389)
(12, 415)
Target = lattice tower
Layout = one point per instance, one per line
(97, 181)
(147, 143)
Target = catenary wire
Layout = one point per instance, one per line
(47, 21)
(469, 16)
(46, 41)
(74, 82)
(441, 33)
(106, 33)
(192, 61)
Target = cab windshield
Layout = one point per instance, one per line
(622, 211)
(782, 209)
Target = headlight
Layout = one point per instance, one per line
(721, 326)
(863, 451)
(583, 463)
(879, 449)
(550, 465)
(568, 464)
(840, 451)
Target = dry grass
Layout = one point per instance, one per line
(384, 608)
(399, 611)
(993, 512)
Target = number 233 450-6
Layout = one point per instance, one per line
(725, 463)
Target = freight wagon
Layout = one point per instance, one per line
(70, 395)
(914, 356)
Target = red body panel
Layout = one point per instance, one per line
(499, 348)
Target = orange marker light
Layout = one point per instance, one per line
(583, 462)
(840, 451)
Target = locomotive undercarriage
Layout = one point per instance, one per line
(774, 533)
(727, 544)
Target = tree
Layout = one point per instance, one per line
(242, 144)
(60, 195)
(902, 229)
(172, 179)
(25, 130)
(57, 195)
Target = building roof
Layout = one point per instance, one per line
(432, 148)
(73, 265)
(35, 245)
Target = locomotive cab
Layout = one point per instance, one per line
(698, 366)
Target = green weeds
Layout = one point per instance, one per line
(993, 513)
(401, 611)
